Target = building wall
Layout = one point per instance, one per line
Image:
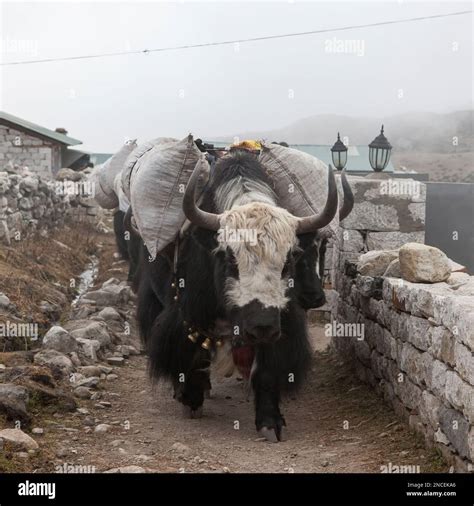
(19, 148)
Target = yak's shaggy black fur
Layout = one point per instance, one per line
(119, 231)
(164, 320)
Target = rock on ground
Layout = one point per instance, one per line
(54, 359)
(13, 400)
(109, 313)
(18, 439)
(83, 393)
(94, 330)
(110, 295)
(12, 391)
(60, 340)
(103, 427)
(90, 370)
(90, 382)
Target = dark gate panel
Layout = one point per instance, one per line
(450, 210)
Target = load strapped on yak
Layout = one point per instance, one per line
(103, 177)
(156, 175)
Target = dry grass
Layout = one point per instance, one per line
(45, 269)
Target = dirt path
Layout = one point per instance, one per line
(335, 424)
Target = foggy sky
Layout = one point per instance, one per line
(218, 91)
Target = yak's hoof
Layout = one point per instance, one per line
(269, 434)
(274, 433)
(188, 412)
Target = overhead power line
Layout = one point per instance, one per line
(235, 41)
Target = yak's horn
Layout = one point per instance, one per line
(317, 221)
(192, 212)
(348, 202)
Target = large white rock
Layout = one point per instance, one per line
(18, 439)
(422, 263)
(60, 340)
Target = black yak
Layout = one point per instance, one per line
(217, 292)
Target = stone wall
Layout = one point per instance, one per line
(413, 342)
(29, 203)
(387, 214)
(21, 149)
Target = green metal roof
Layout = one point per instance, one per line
(9, 119)
(357, 156)
(98, 158)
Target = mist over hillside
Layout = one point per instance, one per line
(420, 131)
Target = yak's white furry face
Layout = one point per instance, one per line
(260, 262)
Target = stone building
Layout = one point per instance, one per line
(29, 145)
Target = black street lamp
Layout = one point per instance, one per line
(379, 152)
(339, 154)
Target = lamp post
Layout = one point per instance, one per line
(339, 154)
(379, 152)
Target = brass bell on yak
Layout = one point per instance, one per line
(193, 336)
(206, 343)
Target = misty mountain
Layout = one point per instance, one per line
(420, 131)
